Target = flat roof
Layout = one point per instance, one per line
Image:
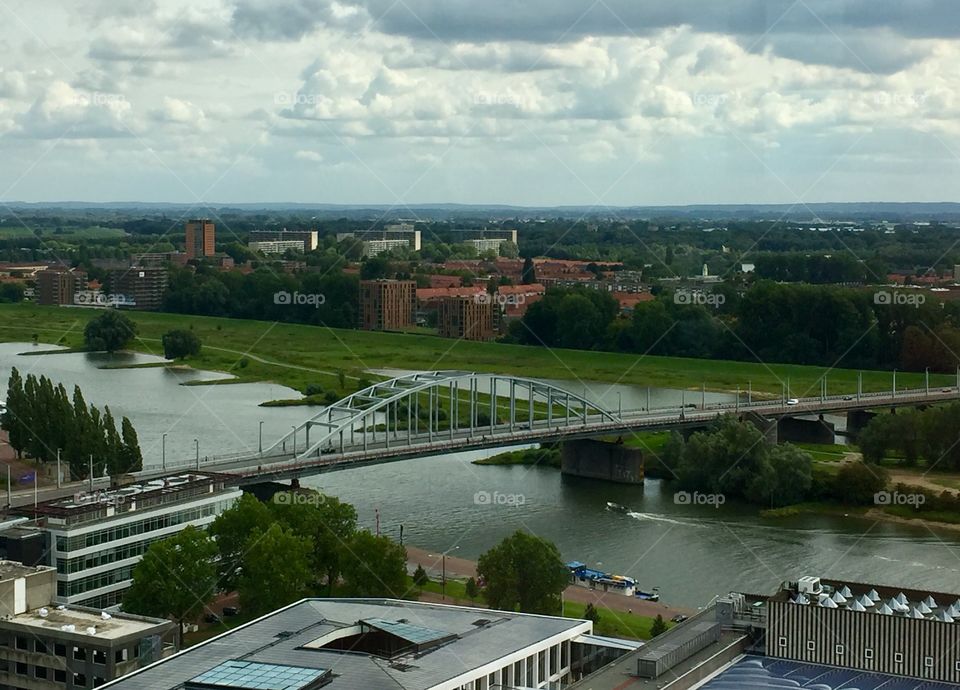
(10, 570)
(82, 619)
(478, 637)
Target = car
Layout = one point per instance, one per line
(211, 618)
(793, 401)
(848, 397)
(230, 611)
(946, 390)
(679, 618)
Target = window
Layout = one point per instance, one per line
(21, 668)
(60, 675)
(781, 641)
(811, 646)
(928, 661)
(868, 654)
(40, 671)
(79, 679)
(99, 656)
(59, 649)
(23, 643)
(898, 658)
(40, 647)
(79, 653)
(838, 650)
(98, 681)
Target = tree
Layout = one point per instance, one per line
(130, 458)
(176, 578)
(591, 614)
(528, 274)
(659, 626)
(856, 483)
(276, 569)
(231, 530)
(13, 420)
(374, 567)
(180, 344)
(472, 590)
(111, 331)
(523, 572)
(420, 578)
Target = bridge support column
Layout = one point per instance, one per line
(612, 462)
(768, 427)
(857, 420)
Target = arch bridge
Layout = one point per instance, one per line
(429, 407)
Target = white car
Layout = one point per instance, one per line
(793, 401)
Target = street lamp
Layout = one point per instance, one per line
(443, 580)
(294, 427)
(163, 451)
(196, 442)
(261, 437)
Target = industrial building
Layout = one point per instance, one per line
(467, 318)
(278, 241)
(49, 647)
(96, 539)
(374, 644)
(387, 304)
(201, 239)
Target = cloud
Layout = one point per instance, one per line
(64, 112)
(177, 111)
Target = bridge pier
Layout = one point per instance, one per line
(798, 430)
(612, 462)
(857, 420)
(768, 427)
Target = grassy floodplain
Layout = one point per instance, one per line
(298, 355)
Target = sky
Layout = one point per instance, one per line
(528, 102)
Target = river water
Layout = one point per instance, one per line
(690, 552)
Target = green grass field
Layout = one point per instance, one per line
(297, 355)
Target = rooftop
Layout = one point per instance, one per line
(11, 570)
(87, 622)
(411, 645)
(91, 505)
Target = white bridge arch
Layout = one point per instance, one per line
(423, 407)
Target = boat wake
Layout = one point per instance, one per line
(662, 518)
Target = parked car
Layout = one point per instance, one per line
(230, 611)
(679, 618)
(211, 618)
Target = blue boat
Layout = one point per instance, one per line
(591, 578)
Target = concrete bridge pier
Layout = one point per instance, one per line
(595, 459)
(768, 427)
(799, 430)
(857, 420)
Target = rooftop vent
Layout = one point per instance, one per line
(480, 622)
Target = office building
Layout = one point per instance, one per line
(57, 286)
(276, 246)
(48, 647)
(467, 318)
(97, 538)
(200, 239)
(485, 240)
(374, 644)
(307, 239)
(139, 287)
(387, 305)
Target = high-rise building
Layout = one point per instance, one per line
(57, 286)
(201, 239)
(142, 287)
(387, 305)
(308, 240)
(467, 318)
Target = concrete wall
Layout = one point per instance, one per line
(611, 462)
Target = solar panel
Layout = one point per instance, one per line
(250, 675)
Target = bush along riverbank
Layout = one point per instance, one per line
(547, 455)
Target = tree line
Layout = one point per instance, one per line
(41, 419)
(789, 323)
(912, 435)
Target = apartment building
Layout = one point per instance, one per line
(387, 304)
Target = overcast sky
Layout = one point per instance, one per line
(535, 102)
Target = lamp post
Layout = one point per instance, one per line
(196, 442)
(58, 468)
(294, 427)
(163, 452)
(260, 444)
(443, 580)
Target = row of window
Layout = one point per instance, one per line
(105, 557)
(546, 664)
(840, 650)
(86, 584)
(99, 656)
(131, 529)
(58, 675)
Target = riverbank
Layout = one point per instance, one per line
(319, 355)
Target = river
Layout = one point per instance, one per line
(690, 552)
